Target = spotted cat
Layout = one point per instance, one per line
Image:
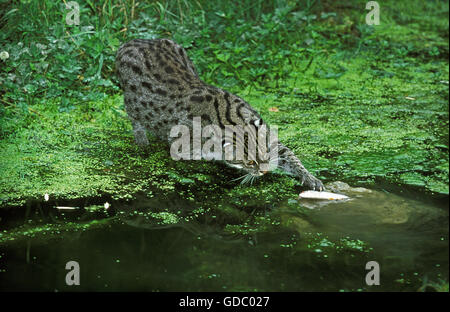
(162, 89)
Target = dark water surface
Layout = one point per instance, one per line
(407, 237)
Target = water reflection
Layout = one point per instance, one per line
(408, 238)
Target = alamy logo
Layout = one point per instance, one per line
(373, 277)
(73, 16)
(373, 17)
(237, 143)
(73, 276)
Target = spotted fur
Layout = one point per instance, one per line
(162, 89)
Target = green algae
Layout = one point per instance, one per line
(361, 128)
(46, 232)
(375, 113)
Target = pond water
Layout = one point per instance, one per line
(323, 246)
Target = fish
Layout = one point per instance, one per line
(322, 195)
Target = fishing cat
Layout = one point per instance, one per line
(162, 89)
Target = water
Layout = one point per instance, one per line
(325, 249)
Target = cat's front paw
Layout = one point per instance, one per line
(313, 183)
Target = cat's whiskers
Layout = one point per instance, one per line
(241, 177)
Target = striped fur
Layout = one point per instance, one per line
(162, 89)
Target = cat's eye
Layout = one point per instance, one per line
(251, 162)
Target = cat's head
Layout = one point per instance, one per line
(254, 160)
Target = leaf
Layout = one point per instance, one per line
(223, 57)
